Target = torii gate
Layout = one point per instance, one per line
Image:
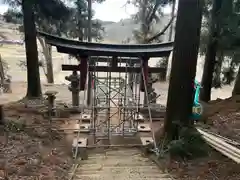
(140, 52)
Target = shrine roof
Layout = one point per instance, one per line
(74, 47)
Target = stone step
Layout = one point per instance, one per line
(118, 152)
(109, 165)
(144, 170)
(119, 164)
(118, 157)
(122, 176)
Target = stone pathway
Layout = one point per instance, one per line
(120, 164)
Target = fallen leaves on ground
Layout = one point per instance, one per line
(31, 153)
(222, 117)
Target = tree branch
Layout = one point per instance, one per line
(161, 32)
(152, 13)
(151, 16)
(43, 44)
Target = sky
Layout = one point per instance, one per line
(110, 10)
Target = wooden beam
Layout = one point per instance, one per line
(109, 59)
(113, 69)
(83, 71)
(68, 67)
(114, 62)
(99, 49)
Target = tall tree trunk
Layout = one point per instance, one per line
(185, 53)
(89, 34)
(210, 59)
(236, 88)
(47, 52)
(144, 24)
(50, 76)
(172, 15)
(164, 74)
(144, 31)
(218, 69)
(33, 76)
(80, 26)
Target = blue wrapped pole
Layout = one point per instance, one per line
(197, 107)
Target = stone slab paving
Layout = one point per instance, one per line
(119, 164)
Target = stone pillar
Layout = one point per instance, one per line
(74, 78)
(153, 97)
(51, 96)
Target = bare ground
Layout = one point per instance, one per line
(222, 117)
(36, 152)
(213, 167)
(29, 149)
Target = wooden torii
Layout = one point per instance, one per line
(83, 50)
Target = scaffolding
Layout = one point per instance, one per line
(115, 103)
(115, 77)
